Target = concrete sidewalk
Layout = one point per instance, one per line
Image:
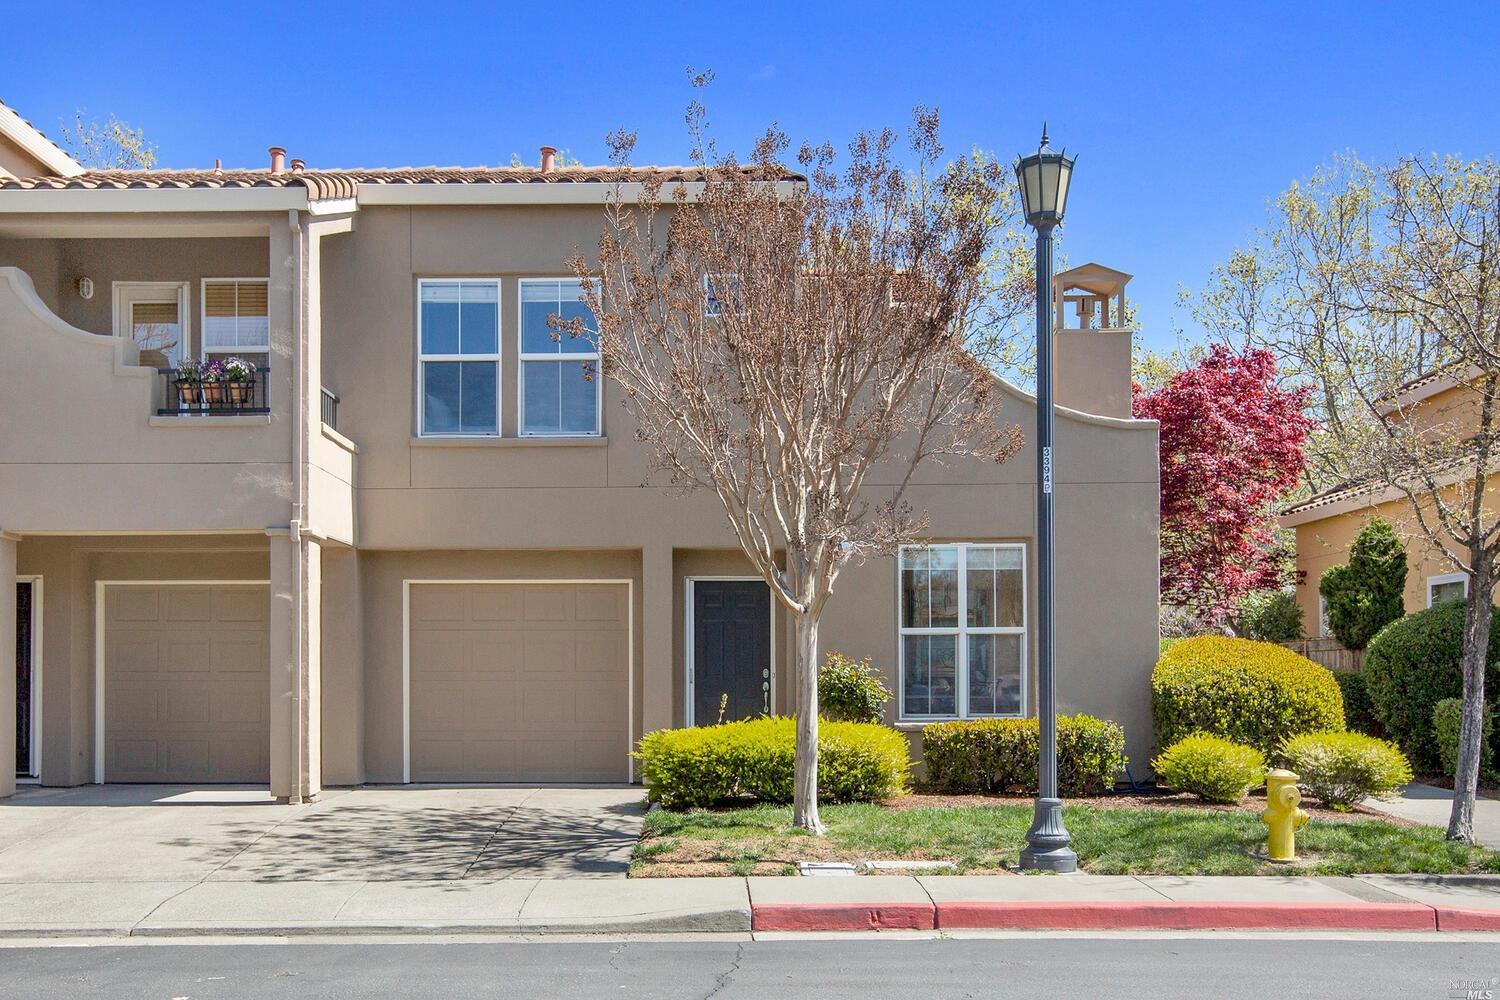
(1432, 805)
(715, 905)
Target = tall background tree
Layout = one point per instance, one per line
(110, 144)
(1369, 276)
(801, 349)
(1231, 447)
(1368, 592)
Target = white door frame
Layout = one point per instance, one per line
(34, 765)
(688, 638)
(99, 586)
(124, 293)
(406, 586)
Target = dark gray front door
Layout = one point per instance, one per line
(24, 641)
(731, 650)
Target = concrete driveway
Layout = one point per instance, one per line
(129, 833)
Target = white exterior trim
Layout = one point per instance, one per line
(961, 632)
(99, 586)
(36, 145)
(124, 294)
(406, 586)
(203, 349)
(1438, 579)
(522, 356)
(34, 765)
(497, 359)
(689, 633)
(111, 200)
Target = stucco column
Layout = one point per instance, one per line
(296, 655)
(657, 610)
(7, 665)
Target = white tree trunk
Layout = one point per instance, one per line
(805, 793)
(1476, 649)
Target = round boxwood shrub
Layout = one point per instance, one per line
(1343, 768)
(1255, 693)
(1270, 616)
(755, 758)
(851, 691)
(1211, 768)
(1413, 664)
(1447, 722)
(999, 755)
(1359, 710)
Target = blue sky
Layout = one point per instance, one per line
(1186, 118)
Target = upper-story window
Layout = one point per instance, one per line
(560, 378)
(458, 340)
(236, 318)
(963, 630)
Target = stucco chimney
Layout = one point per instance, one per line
(298, 166)
(549, 159)
(1091, 346)
(278, 159)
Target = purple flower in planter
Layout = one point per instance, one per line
(213, 371)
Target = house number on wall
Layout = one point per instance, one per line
(1046, 470)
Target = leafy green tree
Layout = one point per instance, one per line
(1270, 616)
(108, 145)
(1365, 595)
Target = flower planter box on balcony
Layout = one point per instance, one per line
(192, 397)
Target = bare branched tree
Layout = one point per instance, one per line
(796, 344)
(107, 145)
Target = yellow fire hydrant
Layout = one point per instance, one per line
(1282, 817)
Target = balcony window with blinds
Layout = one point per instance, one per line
(560, 378)
(962, 631)
(236, 318)
(458, 343)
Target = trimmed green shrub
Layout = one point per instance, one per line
(1255, 693)
(1412, 665)
(1270, 616)
(1447, 720)
(754, 758)
(1359, 709)
(999, 755)
(850, 691)
(1211, 768)
(1365, 595)
(1341, 769)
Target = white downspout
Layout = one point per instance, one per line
(299, 499)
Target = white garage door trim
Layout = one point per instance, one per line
(406, 586)
(99, 586)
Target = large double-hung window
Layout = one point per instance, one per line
(560, 375)
(963, 630)
(459, 356)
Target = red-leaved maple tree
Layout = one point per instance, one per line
(1231, 447)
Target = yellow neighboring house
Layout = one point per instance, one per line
(1326, 524)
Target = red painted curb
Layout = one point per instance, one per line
(842, 916)
(1453, 918)
(1170, 915)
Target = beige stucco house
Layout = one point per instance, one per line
(1444, 403)
(420, 549)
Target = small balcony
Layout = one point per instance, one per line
(189, 391)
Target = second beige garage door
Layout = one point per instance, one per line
(519, 682)
(186, 683)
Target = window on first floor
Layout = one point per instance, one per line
(458, 344)
(962, 630)
(560, 377)
(1447, 587)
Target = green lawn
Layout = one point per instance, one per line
(1109, 841)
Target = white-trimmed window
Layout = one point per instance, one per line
(723, 294)
(458, 343)
(1447, 587)
(559, 377)
(962, 630)
(236, 318)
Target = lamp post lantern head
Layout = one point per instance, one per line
(1044, 177)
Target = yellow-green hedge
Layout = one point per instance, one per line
(998, 755)
(706, 765)
(1255, 693)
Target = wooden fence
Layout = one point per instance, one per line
(1329, 652)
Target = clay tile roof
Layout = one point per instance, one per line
(1349, 489)
(323, 184)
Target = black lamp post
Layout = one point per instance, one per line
(1044, 177)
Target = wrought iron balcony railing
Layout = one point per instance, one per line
(181, 397)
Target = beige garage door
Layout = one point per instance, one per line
(519, 682)
(186, 683)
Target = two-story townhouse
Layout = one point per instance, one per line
(422, 547)
(1442, 403)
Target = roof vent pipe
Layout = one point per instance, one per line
(549, 159)
(278, 159)
(298, 165)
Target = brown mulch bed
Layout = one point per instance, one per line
(1256, 803)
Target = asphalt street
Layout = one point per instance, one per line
(1159, 968)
